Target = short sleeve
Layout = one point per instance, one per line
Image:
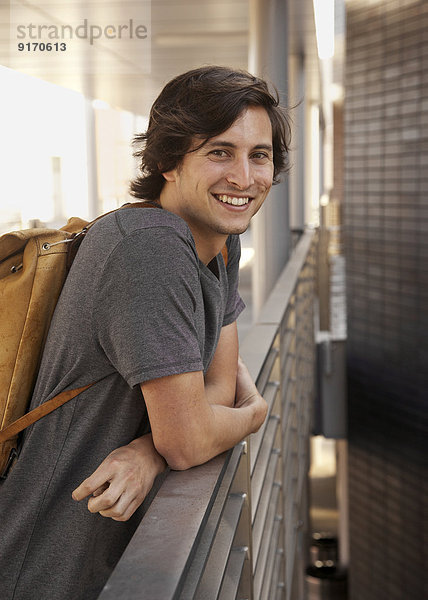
(234, 304)
(145, 305)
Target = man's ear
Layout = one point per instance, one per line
(170, 175)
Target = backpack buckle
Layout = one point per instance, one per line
(13, 455)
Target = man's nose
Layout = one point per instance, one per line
(240, 174)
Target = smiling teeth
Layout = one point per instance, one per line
(233, 200)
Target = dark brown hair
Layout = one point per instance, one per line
(202, 103)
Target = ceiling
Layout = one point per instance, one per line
(128, 73)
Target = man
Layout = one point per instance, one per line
(148, 313)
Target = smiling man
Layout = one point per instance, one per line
(148, 313)
(220, 185)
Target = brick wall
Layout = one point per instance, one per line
(386, 244)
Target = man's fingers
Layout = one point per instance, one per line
(121, 482)
(100, 490)
(99, 479)
(82, 491)
(122, 510)
(106, 500)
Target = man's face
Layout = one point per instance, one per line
(218, 188)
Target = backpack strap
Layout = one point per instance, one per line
(77, 238)
(39, 412)
(224, 254)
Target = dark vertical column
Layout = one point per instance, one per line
(386, 240)
(296, 176)
(268, 58)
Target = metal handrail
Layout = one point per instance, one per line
(229, 528)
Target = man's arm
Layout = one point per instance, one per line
(187, 430)
(220, 378)
(121, 482)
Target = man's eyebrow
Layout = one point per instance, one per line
(225, 144)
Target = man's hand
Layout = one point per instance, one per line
(122, 481)
(248, 395)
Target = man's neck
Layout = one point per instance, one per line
(208, 249)
(207, 246)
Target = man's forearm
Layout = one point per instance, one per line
(220, 428)
(187, 430)
(219, 394)
(226, 427)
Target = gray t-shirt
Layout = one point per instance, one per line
(138, 304)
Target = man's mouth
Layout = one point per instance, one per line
(234, 200)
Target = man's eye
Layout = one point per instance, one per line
(261, 156)
(219, 153)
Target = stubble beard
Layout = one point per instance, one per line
(224, 230)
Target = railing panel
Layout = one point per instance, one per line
(260, 469)
(266, 372)
(278, 573)
(236, 466)
(270, 563)
(262, 563)
(259, 522)
(270, 393)
(230, 585)
(210, 583)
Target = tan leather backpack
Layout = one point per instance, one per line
(33, 268)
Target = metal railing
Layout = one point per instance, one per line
(235, 527)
